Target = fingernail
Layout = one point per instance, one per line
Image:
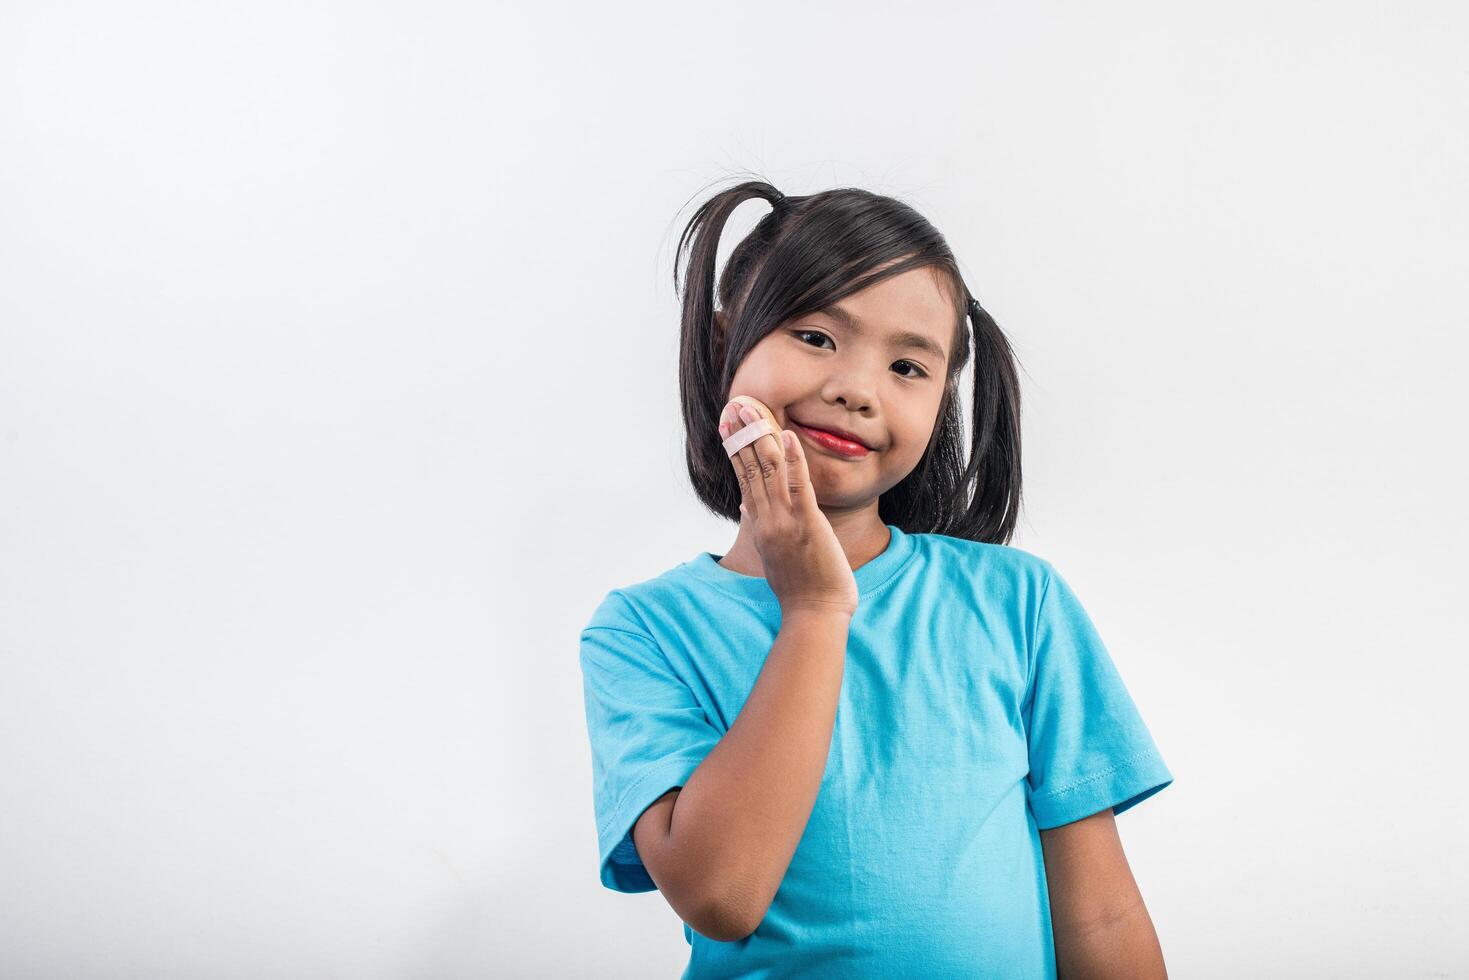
(748, 414)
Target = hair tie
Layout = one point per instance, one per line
(778, 199)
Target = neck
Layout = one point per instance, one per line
(861, 533)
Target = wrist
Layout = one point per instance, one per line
(816, 612)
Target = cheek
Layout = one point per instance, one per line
(913, 442)
(766, 375)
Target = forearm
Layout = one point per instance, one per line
(744, 809)
(1124, 949)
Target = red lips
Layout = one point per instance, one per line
(832, 443)
(840, 433)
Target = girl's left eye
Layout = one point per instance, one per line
(816, 333)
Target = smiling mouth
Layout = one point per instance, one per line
(831, 441)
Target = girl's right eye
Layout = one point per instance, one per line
(811, 333)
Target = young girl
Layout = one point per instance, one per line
(871, 739)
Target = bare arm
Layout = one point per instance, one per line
(1123, 949)
(719, 847)
(1098, 920)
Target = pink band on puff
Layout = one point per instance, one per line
(747, 435)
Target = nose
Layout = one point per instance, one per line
(852, 381)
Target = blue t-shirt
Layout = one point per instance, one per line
(978, 706)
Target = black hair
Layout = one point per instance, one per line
(809, 252)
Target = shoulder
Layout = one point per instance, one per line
(625, 608)
(620, 635)
(995, 567)
(641, 606)
(630, 607)
(676, 611)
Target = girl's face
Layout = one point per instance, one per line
(873, 366)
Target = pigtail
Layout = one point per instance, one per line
(705, 362)
(994, 453)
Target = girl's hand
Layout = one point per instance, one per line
(804, 562)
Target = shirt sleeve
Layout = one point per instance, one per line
(648, 734)
(1089, 748)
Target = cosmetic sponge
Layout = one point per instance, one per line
(751, 431)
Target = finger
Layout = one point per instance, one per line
(782, 487)
(798, 476)
(729, 423)
(771, 450)
(762, 464)
(746, 462)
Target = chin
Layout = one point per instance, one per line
(828, 496)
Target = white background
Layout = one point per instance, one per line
(337, 386)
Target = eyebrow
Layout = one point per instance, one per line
(903, 338)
